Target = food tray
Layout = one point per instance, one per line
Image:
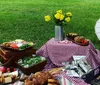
(17, 45)
(79, 43)
(9, 48)
(71, 38)
(32, 69)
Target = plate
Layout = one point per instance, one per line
(82, 44)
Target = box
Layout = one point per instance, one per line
(93, 77)
(32, 69)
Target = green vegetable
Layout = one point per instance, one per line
(30, 44)
(24, 46)
(29, 61)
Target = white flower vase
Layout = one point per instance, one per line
(59, 34)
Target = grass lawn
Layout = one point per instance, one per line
(24, 19)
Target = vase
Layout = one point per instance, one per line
(59, 33)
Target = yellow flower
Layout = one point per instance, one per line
(47, 18)
(59, 11)
(61, 17)
(69, 14)
(67, 19)
(57, 15)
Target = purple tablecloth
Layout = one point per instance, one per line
(58, 52)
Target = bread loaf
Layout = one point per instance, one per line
(41, 78)
(52, 81)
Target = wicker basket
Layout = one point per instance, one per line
(15, 55)
(10, 62)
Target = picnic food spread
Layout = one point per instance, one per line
(30, 68)
(8, 75)
(17, 44)
(80, 40)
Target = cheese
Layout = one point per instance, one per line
(8, 79)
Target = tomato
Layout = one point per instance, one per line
(85, 41)
(3, 69)
(14, 46)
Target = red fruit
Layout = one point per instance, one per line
(85, 42)
(3, 69)
(14, 46)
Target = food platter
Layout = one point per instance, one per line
(17, 45)
(77, 39)
(82, 44)
(9, 48)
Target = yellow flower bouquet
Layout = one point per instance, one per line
(59, 17)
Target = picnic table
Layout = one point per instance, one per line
(57, 52)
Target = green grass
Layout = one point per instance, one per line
(24, 19)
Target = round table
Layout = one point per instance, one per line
(62, 51)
